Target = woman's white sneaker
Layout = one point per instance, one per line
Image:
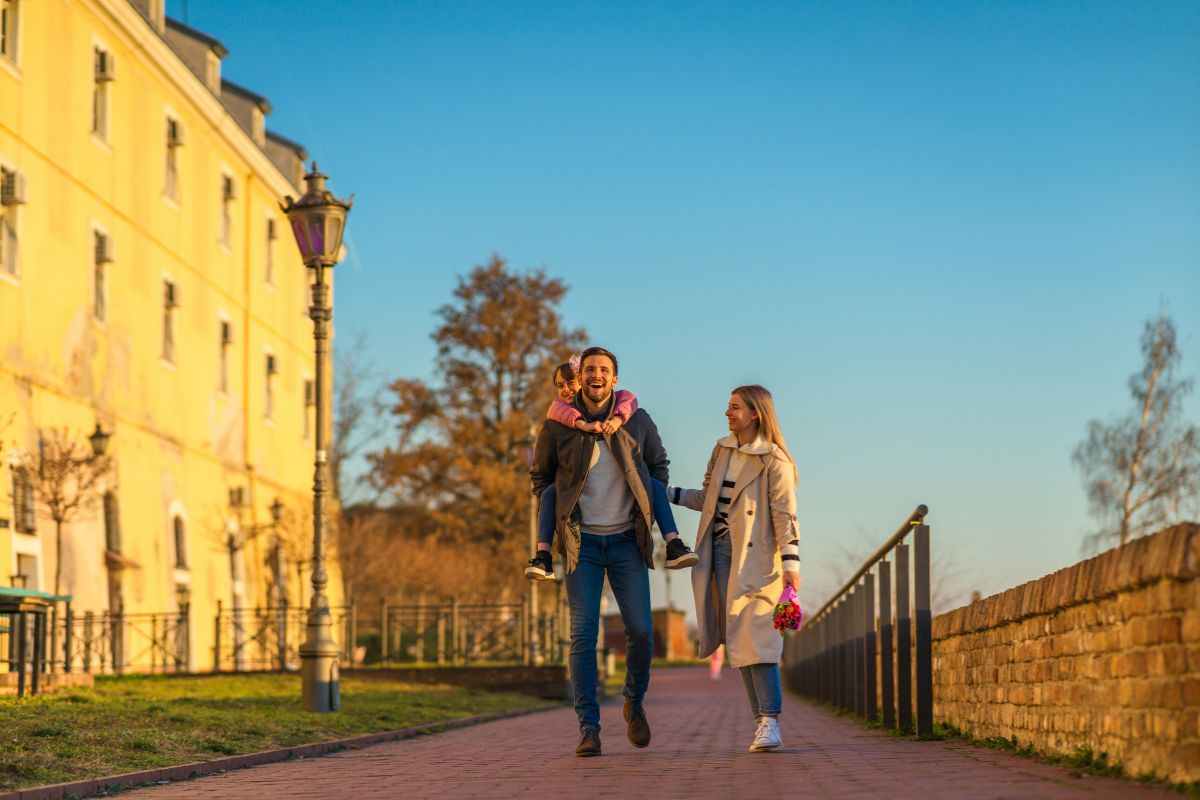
(766, 736)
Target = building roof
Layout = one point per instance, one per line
(199, 36)
(299, 149)
(263, 103)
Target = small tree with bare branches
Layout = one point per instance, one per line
(66, 476)
(1140, 471)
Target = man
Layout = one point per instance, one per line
(602, 526)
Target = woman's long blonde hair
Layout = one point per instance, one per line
(761, 403)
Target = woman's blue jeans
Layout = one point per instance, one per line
(618, 556)
(763, 684)
(658, 500)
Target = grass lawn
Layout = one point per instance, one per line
(145, 722)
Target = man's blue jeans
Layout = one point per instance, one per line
(617, 555)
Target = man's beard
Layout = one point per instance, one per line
(603, 398)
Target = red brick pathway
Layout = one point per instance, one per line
(701, 730)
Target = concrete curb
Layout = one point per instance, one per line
(198, 769)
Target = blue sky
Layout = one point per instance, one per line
(933, 230)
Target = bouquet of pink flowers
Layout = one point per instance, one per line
(788, 615)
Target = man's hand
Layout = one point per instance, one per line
(792, 579)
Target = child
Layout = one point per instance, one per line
(566, 383)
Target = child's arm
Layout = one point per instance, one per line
(625, 405)
(567, 414)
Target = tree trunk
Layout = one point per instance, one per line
(58, 555)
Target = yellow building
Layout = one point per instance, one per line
(149, 283)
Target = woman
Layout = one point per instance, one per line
(749, 549)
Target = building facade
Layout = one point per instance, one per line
(149, 284)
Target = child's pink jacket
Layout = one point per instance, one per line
(624, 407)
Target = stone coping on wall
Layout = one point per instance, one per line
(1172, 553)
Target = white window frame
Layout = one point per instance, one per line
(225, 221)
(310, 405)
(269, 360)
(223, 357)
(168, 319)
(30, 546)
(10, 58)
(99, 292)
(101, 96)
(172, 171)
(10, 225)
(271, 235)
(177, 509)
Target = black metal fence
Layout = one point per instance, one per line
(853, 654)
(463, 633)
(254, 639)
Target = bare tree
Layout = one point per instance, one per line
(65, 475)
(360, 418)
(1141, 471)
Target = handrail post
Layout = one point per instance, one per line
(903, 642)
(886, 656)
(924, 633)
(872, 710)
(860, 661)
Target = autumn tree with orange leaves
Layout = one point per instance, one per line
(462, 442)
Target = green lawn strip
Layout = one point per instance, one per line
(135, 723)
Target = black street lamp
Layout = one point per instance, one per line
(318, 220)
(99, 440)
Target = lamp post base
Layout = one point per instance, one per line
(319, 663)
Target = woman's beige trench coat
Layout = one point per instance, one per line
(762, 518)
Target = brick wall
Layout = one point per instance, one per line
(1104, 654)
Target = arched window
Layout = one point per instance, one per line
(112, 523)
(180, 544)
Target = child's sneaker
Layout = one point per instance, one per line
(679, 555)
(540, 568)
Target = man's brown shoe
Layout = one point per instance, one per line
(639, 728)
(589, 743)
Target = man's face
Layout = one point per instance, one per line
(598, 378)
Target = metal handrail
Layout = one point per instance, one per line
(915, 518)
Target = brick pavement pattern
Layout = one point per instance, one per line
(701, 729)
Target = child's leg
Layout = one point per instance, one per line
(546, 504)
(662, 510)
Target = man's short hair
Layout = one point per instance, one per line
(599, 351)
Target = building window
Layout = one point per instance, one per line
(227, 196)
(104, 71)
(174, 142)
(112, 523)
(270, 399)
(101, 257)
(272, 235)
(27, 572)
(181, 561)
(310, 401)
(12, 197)
(226, 341)
(8, 29)
(170, 303)
(24, 511)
